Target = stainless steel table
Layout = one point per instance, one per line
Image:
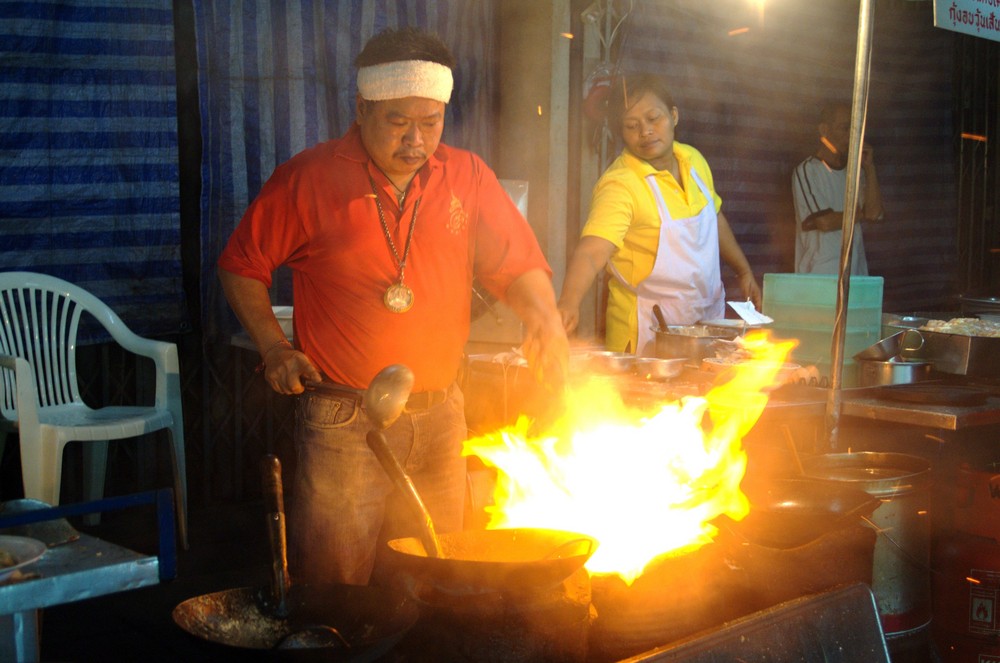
(863, 404)
(82, 569)
(872, 403)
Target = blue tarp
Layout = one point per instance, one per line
(88, 133)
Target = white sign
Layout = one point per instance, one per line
(979, 18)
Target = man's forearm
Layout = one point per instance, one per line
(251, 303)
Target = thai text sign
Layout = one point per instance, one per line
(978, 18)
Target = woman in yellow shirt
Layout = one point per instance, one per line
(656, 225)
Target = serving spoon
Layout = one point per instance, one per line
(384, 401)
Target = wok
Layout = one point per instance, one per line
(499, 560)
(333, 622)
(470, 561)
(786, 513)
(369, 620)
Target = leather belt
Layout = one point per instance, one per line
(425, 400)
(417, 402)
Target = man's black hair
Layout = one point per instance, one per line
(404, 44)
(828, 113)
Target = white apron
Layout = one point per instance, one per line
(686, 280)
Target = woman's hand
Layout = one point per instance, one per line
(570, 316)
(589, 258)
(750, 288)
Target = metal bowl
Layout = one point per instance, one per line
(605, 361)
(694, 342)
(654, 368)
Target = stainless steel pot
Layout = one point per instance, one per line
(694, 342)
(874, 373)
(893, 346)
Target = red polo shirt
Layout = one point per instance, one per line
(316, 214)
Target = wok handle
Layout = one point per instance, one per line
(274, 504)
(572, 542)
(380, 447)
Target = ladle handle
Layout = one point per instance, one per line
(660, 320)
(274, 505)
(380, 447)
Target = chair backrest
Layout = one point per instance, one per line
(39, 321)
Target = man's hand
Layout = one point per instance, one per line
(546, 348)
(284, 366)
(545, 344)
(286, 369)
(867, 156)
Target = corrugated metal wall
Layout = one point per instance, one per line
(749, 86)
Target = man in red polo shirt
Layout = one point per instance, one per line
(384, 230)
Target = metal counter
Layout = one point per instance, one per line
(861, 403)
(870, 403)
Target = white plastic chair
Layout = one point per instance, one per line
(40, 396)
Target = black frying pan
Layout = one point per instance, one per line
(332, 622)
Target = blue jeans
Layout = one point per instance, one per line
(344, 506)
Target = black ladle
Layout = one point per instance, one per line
(384, 402)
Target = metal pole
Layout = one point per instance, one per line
(859, 109)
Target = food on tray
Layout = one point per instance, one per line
(735, 352)
(7, 559)
(964, 327)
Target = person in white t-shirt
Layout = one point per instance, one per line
(818, 185)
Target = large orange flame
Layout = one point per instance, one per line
(643, 484)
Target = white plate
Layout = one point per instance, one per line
(25, 550)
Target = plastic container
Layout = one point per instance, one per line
(804, 307)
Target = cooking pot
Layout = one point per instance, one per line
(497, 560)
(694, 342)
(874, 372)
(892, 346)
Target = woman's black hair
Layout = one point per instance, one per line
(627, 90)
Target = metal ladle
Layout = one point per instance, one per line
(384, 402)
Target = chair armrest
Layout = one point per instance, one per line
(26, 392)
(163, 354)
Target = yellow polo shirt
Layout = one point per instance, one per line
(623, 211)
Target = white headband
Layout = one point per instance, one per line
(405, 78)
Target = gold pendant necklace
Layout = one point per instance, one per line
(398, 297)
